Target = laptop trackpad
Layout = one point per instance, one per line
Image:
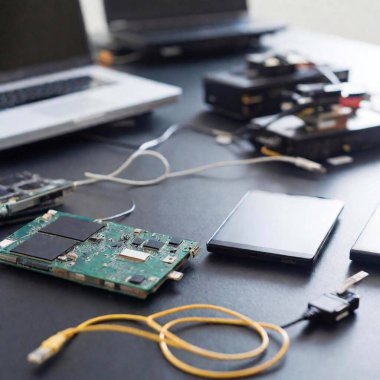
(74, 107)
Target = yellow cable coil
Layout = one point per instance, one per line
(165, 338)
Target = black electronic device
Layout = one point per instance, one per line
(262, 85)
(165, 28)
(320, 122)
(277, 227)
(367, 246)
(290, 137)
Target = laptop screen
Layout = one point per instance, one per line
(40, 34)
(134, 10)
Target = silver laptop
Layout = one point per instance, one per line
(48, 83)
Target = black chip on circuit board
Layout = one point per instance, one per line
(153, 244)
(72, 228)
(44, 247)
(175, 241)
(137, 241)
(137, 279)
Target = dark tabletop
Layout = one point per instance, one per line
(32, 306)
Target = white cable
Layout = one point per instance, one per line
(328, 74)
(143, 147)
(120, 214)
(143, 151)
(159, 140)
(297, 161)
(113, 176)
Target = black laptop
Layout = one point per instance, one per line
(181, 27)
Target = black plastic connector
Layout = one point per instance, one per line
(332, 307)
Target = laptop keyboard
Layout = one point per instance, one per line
(31, 94)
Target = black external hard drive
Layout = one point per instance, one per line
(277, 227)
(367, 247)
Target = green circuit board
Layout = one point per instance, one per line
(25, 195)
(106, 255)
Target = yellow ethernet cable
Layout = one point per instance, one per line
(166, 339)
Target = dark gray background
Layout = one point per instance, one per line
(32, 307)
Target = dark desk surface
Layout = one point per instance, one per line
(32, 307)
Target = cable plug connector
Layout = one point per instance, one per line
(309, 165)
(49, 347)
(331, 308)
(334, 306)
